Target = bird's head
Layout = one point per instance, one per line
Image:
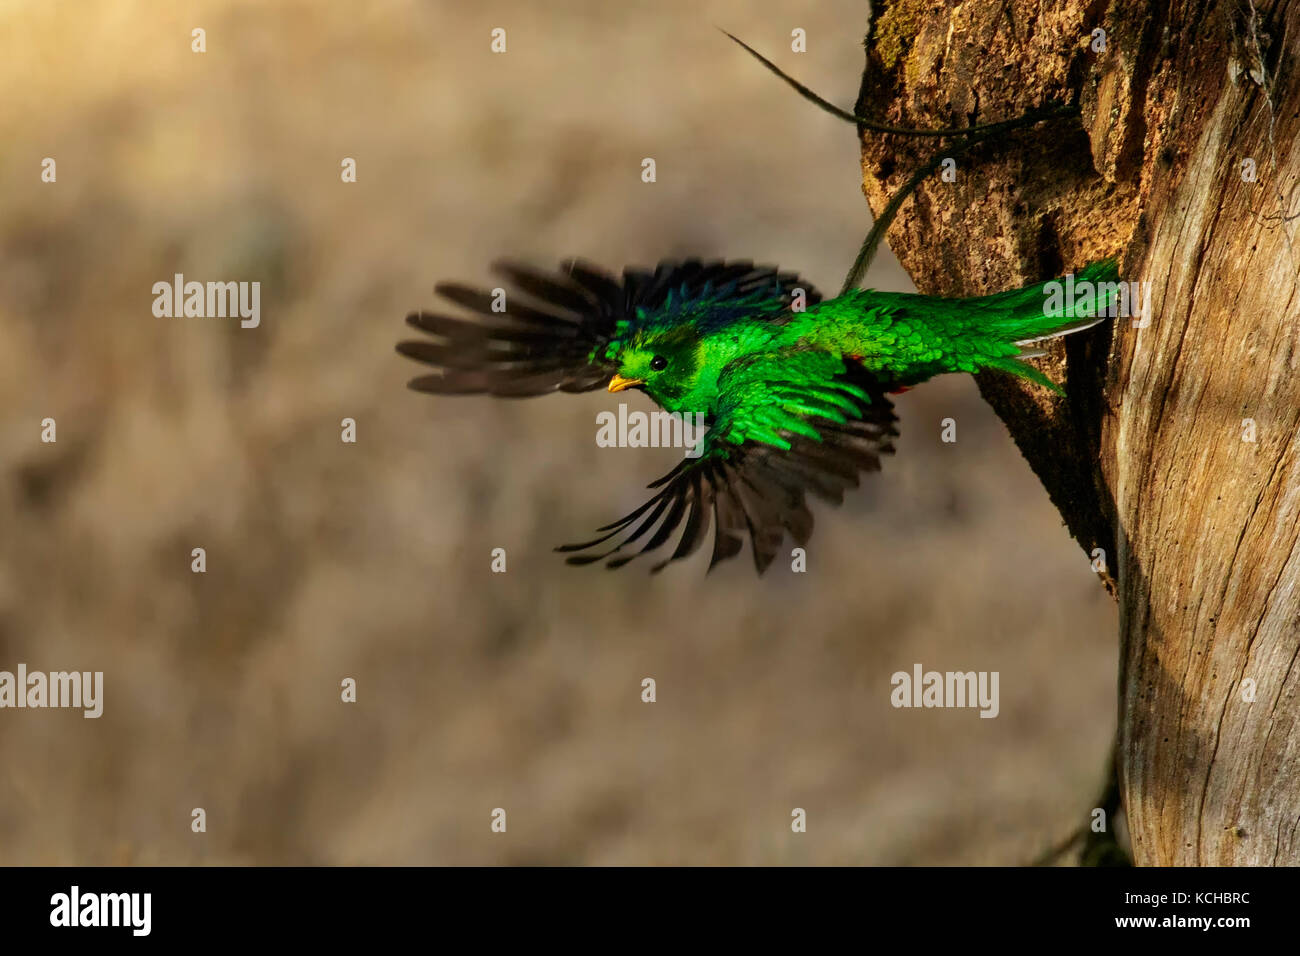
(665, 364)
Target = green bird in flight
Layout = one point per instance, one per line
(794, 390)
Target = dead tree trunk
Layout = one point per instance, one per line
(1176, 450)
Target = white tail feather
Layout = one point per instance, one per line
(1079, 326)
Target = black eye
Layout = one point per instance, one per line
(658, 363)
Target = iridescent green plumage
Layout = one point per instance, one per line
(794, 389)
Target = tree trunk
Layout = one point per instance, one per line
(1175, 451)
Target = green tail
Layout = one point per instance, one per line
(1036, 313)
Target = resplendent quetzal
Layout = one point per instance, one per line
(794, 390)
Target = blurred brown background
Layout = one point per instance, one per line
(328, 560)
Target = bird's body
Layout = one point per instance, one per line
(794, 388)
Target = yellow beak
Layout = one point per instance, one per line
(618, 383)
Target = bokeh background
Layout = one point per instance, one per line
(329, 560)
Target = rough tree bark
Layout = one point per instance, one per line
(1149, 456)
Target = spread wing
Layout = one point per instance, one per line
(788, 424)
(549, 332)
